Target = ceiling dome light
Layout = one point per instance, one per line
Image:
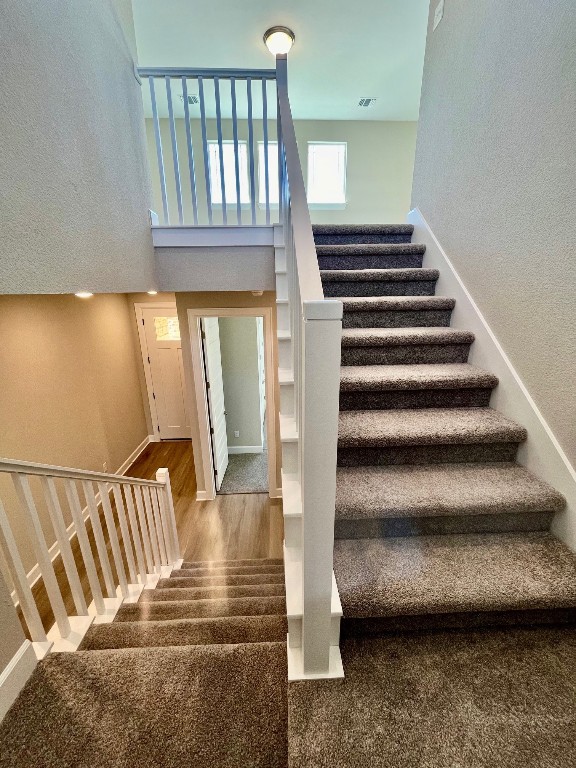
(84, 294)
(279, 40)
(152, 293)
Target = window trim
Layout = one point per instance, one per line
(340, 205)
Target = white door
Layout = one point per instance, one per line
(164, 352)
(215, 391)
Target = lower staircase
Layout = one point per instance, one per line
(194, 673)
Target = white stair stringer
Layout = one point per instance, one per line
(292, 509)
(290, 445)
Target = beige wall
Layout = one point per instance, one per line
(69, 388)
(380, 163)
(186, 301)
(11, 635)
(239, 351)
(494, 177)
(74, 183)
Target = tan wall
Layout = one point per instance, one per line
(494, 177)
(239, 350)
(380, 163)
(11, 635)
(186, 301)
(69, 388)
(74, 179)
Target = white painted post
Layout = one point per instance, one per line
(135, 533)
(85, 548)
(113, 536)
(36, 536)
(322, 331)
(126, 540)
(152, 528)
(163, 476)
(9, 550)
(164, 553)
(99, 537)
(55, 510)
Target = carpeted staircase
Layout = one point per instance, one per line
(193, 674)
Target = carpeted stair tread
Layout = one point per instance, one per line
(382, 337)
(201, 706)
(221, 630)
(396, 303)
(441, 489)
(427, 426)
(181, 579)
(362, 229)
(378, 275)
(370, 249)
(232, 570)
(499, 699)
(211, 593)
(454, 574)
(189, 564)
(198, 609)
(424, 376)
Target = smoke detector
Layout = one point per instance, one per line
(192, 99)
(367, 101)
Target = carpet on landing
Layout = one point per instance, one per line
(201, 706)
(477, 699)
(246, 473)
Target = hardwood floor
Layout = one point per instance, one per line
(230, 527)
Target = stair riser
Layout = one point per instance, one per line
(176, 582)
(361, 239)
(191, 565)
(335, 288)
(240, 570)
(408, 354)
(376, 627)
(375, 261)
(442, 525)
(285, 353)
(163, 611)
(426, 454)
(415, 398)
(427, 318)
(212, 593)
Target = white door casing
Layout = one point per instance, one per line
(215, 396)
(161, 348)
(261, 374)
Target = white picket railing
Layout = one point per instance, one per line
(316, 330)
(198, 114)
(145, 546)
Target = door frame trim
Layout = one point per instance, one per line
(139, 306)
(201, 395)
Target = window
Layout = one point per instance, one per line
(327, 173)
(272, 173)
(229, 172)
(167, 329)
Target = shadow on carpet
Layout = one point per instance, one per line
(246, 473)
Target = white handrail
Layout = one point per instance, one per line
(145, 538)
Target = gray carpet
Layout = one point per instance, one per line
(246, 473)
(498, 699)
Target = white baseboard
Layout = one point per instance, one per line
(245, 449)
(34, 574)
(541, 453)
(15, 675)
(204, 496)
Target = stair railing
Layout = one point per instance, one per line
(221, 122)
(139, 530)
(316, 328)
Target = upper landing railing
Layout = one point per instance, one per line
(214, 135)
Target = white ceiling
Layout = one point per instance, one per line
(344, 50)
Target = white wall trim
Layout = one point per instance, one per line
(15, 675)
(212, 237)
(541, 453)
(245, 449)
(34, 574)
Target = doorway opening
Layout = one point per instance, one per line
(234, 372)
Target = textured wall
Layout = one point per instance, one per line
(380, 161)
(239, 349)
(494, 177)
(69, 388)
(12, 636)
(74, 186)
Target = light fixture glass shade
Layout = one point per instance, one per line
(279, 40)
(83, 294)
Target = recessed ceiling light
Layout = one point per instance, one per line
(152, 293)
(83, 294)
(279, 40)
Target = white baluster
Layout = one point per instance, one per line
(220, 149)
(236, 152)
(85, 548)
(251, 150)
(191, 164)
(159, 153)
(175, 162)
(99, 538)
(121, 512)
(154, 534)
(24, 594)
(112, 535)
(55, 510)
(135, 533)
(34, 530)
(205, 148)
(164, 551)
(163, 476)
(144, 528)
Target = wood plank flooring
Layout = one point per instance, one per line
(230, 527)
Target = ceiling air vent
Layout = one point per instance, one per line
(367, 101)
(192, 99)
